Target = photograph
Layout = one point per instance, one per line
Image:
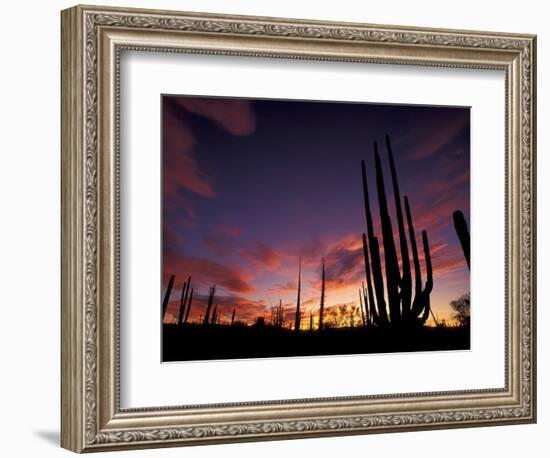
(310, 228)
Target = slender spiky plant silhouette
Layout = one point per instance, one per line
(182, 303)
(298, 316)
(463, 233)
(402, 308)
(167, 295)
(322, 305)
(363, 318)
(279, 315)
(206, 319)
(188, 306)
(183, 300)
(368, 314)
(433, 317)
(214, 318)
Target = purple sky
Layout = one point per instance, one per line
(250, 186)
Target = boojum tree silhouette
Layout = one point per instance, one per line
(403, 308)
(298, 316)
(322, 304)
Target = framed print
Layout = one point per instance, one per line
(278, 228)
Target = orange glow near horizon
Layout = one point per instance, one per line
(346, 295)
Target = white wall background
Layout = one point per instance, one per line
(29, 233)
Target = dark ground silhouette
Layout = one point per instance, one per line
(187, 342)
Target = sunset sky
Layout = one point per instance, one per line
(250, 186)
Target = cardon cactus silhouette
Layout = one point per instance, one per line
(167, 295)
(463, 233)
(402, 309)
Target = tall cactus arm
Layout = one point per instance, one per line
(426, 311)
(380, 316)
(405, 281)
(390, 255)
(374, 250)
(428, 259)
(421, 304)
(368, 214)
(416, 262)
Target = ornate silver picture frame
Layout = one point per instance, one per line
(93, 39)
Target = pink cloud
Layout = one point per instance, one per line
(263, 255)
(181, 169)
(439, 132)
(287, 287)
(206, 272)
(234, 115)
(222, 240)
